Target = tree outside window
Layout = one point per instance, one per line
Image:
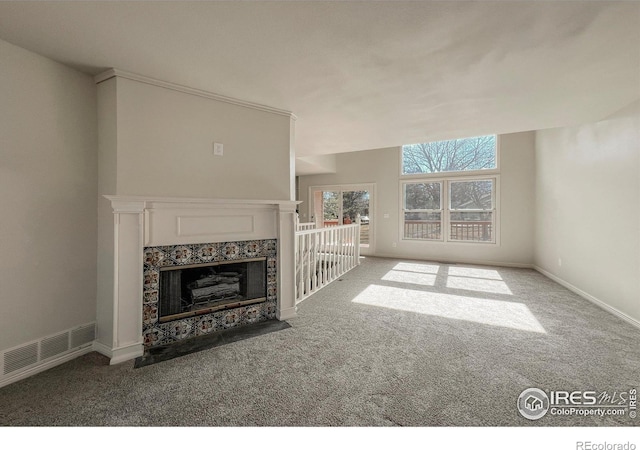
(456, 155)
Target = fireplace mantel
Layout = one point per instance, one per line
(138, 222)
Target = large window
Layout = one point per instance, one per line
(449, 191)
(464, 209)
(456, 155)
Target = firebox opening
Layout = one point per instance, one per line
(187, 291)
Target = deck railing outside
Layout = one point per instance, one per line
(323, 255)
(471, 231)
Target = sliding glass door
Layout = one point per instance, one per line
(343, 205)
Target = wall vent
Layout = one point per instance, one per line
(83, 335)
(54, 345)
(20, 357)
(38, 355)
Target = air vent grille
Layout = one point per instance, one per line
(20, 357)
(43, 352)
(54, 345)
(83, 335)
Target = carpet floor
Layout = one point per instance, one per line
(392, 343)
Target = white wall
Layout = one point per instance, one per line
(164, 141)
(48, 191)
(588, 208)
(382, 167)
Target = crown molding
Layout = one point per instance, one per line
(112, 73)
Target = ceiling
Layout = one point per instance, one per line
(361, 75)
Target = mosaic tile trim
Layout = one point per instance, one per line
(156, 333)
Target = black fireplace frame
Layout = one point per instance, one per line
(216, 305)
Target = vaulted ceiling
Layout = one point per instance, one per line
(359, 74)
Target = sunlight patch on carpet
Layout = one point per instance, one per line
(479, 310)
(422, 279)
(473, 272)
(478, 285)
(417, 267)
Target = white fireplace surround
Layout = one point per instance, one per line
(140, 222)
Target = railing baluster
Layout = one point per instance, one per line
(330, 250)
(308, 262)
(339, 250)
(300, 268)
(323, 259)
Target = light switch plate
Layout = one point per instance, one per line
(218, 149)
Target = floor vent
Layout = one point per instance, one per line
(54, 345)
(20, 357)
(83, 335)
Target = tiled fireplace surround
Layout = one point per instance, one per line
(157, 333)
(139, 235)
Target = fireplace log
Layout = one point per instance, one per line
(225, 277)
(218, 291)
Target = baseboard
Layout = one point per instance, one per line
(591, 298)
(119, 355)
(285, 314)
(46, 365)
(455, 261)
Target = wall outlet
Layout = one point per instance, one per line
(395, 244)
(386, 216)
(559, 262)
(218, 149)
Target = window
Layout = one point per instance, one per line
(423, 211)
(456, 155)
(450, 190)
(471, 210)
(468, 213)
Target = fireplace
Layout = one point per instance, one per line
(204, 288)
(195, 289)
(142, 240)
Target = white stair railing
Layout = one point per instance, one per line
(306, 226)
(323, 255)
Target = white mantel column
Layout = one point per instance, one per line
(119, 328)
(286, 261)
